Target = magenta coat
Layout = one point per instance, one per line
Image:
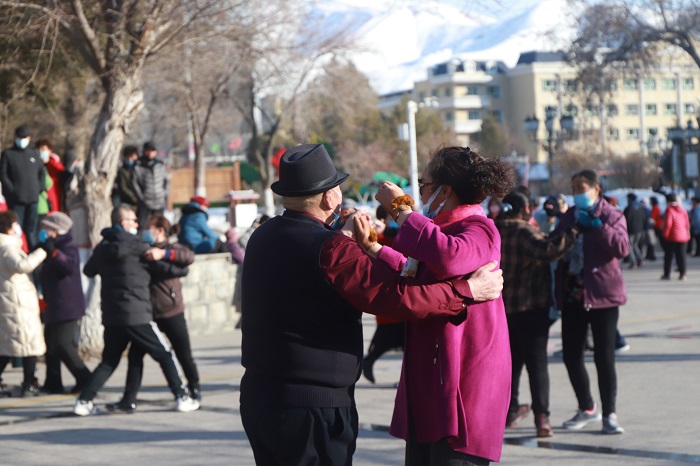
(455, 379)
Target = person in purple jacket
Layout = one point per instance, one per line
(590, 289)
(65, 304)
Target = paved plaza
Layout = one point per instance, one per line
(658, 380)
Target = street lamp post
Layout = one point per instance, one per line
(677, 135)
(532, 125)
(411, 110)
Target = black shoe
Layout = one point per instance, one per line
(121, 407)
(52, 390)
(28, 390)
(4, 392)
(367, 370)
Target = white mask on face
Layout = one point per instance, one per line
(17, 229)
(22, 143)
(133, 231)
(44, 154)
(426, 207)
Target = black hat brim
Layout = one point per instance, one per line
(327, 184)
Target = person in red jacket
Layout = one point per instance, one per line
(676, 232)
(55, 169)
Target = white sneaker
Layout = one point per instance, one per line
(185, 404)
(611, 426)
(83, 408)
(583, 418)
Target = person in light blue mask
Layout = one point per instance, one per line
(23, 180)
(590, 291)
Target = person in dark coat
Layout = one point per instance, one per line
(151, 184)
(170, 262)
(636, 223)
(23, 180)
(65, 303)
(127, 312)
(123, 192)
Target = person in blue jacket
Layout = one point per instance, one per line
(194, 231)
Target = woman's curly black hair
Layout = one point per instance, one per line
(471, 176)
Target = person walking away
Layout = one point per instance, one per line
(302, 337)
(127, 309)
(20, 324)
(590, 289)
(55, 169)
(123, 192)
(65, 304)
(151, 183)
(635, 217)
(676, 234)
(170, 261)
(526, 255)
(649, 234)
(23, 179)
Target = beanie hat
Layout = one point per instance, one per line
(202, 201)
(23, 131)
(58, 221)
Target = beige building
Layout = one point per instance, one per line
(634, 116)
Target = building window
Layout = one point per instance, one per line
(630, 84)
(632, 134)
(612, 110)
(494, 91)
(612, 85)
(650, 84)
(571, 110)
(570, 85)
(669, 84)
(591, 110)
(613, 134)
(449, 116)
(652, 133)
(497, 115)
(631, 109)
(650, 110)
(474, 115)
(472, 90)
(688, 84)
(436, 93)
(549, 85)
(670, 109)
(448, 92)
(689, 109)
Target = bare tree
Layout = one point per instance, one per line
(624, 31)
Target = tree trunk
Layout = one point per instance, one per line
(92, 214)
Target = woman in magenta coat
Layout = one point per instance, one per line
(676, 231)
(455, 382)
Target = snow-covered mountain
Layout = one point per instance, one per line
(399, 40)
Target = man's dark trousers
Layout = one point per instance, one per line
(27, 218)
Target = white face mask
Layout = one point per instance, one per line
(17, 229)
(426, 207)
(44, 154)
(133, 231)
(22, 143)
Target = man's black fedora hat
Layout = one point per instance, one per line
(306, 170)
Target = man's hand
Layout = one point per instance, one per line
(156, 254)
(486, 283)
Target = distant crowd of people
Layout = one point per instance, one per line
(41, 294)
